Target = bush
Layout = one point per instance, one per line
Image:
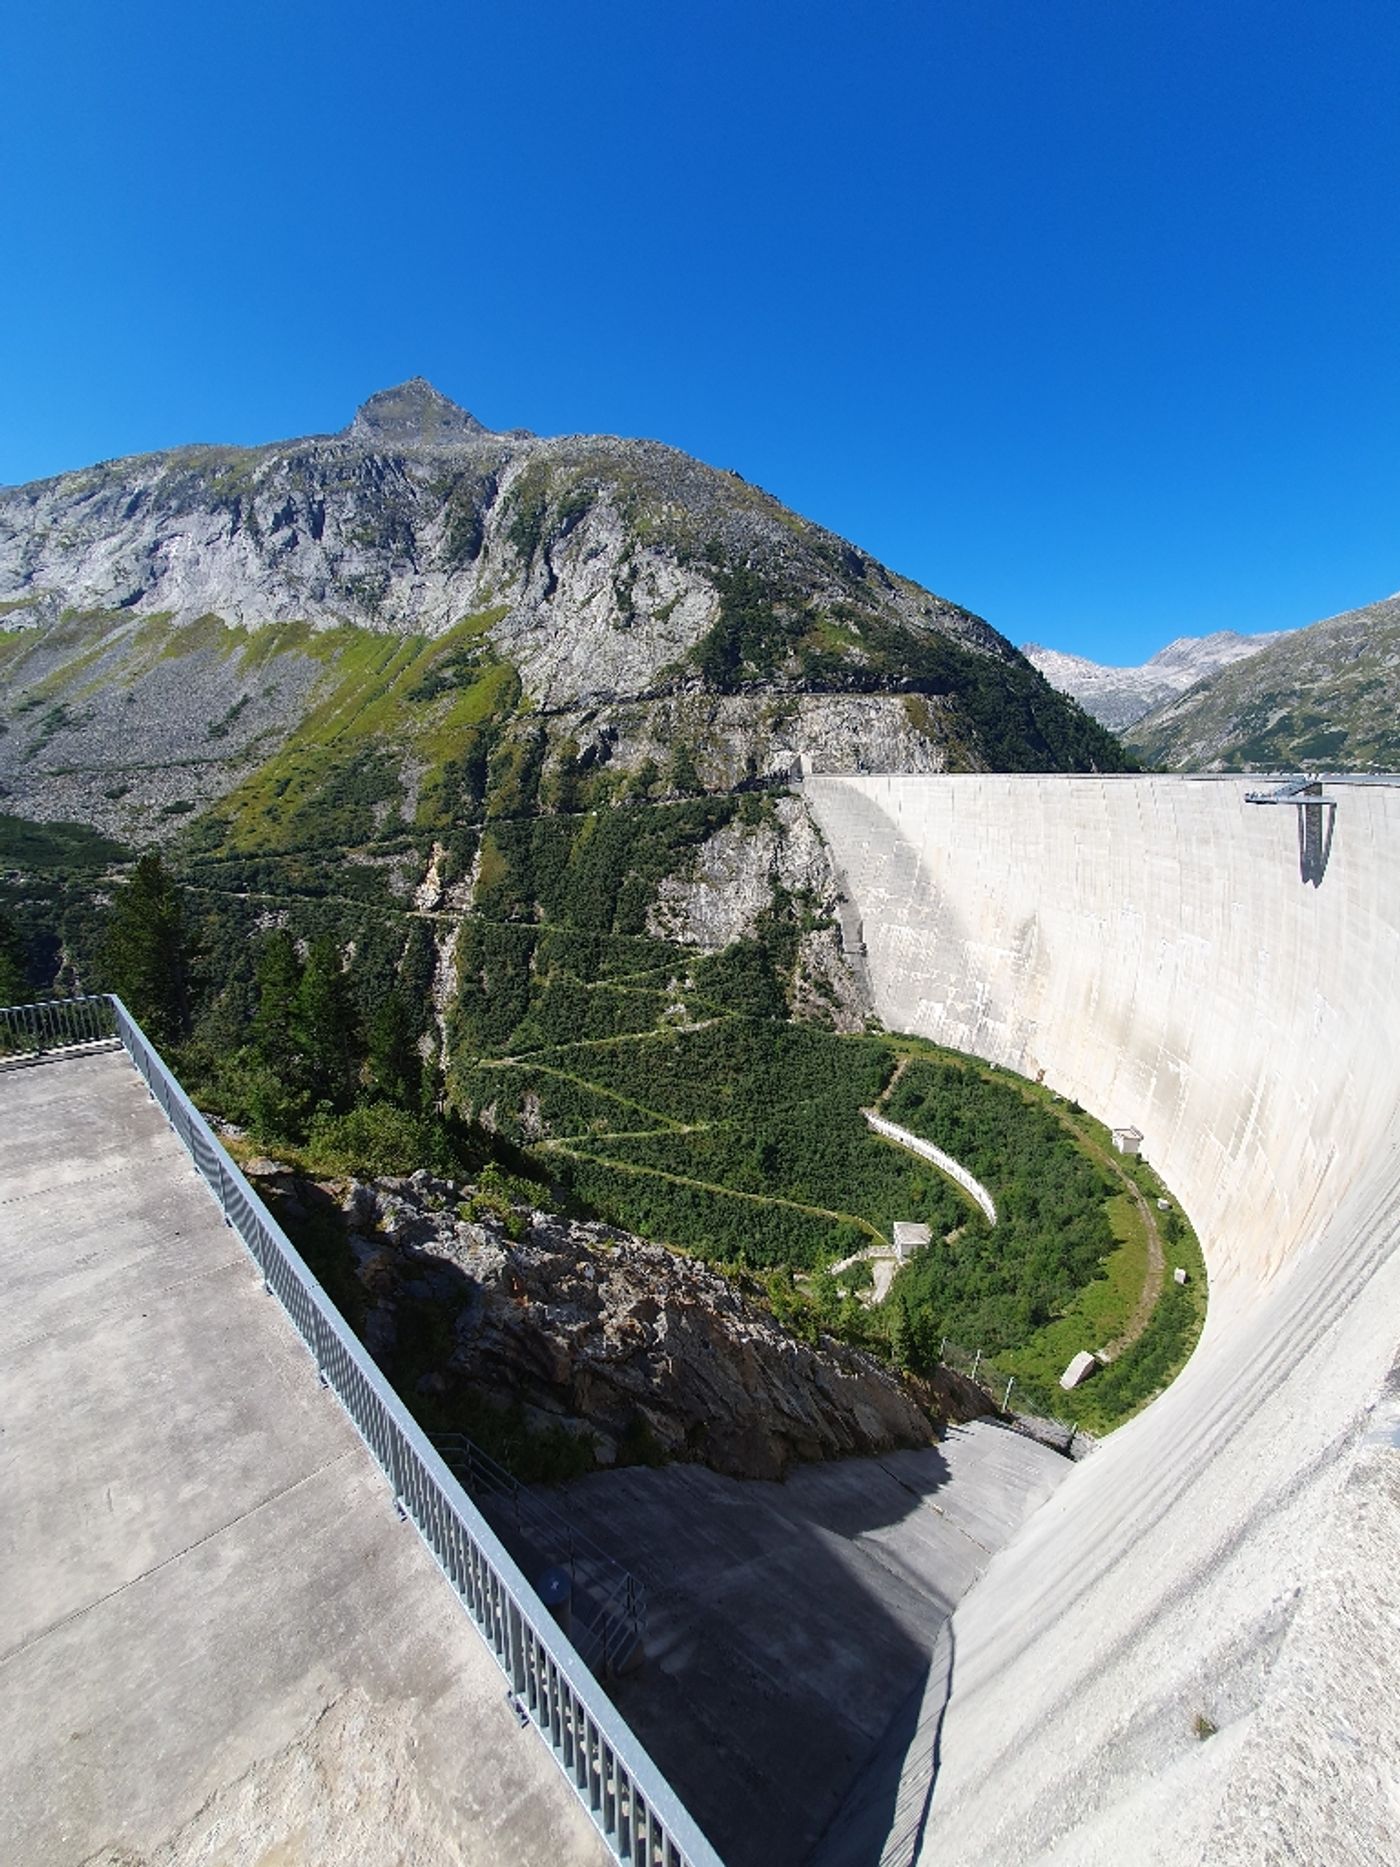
(376, 1140)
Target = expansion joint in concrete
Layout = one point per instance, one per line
(178, 1556)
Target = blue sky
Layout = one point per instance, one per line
(1082, 312)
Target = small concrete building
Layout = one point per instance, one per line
(1084, 1364)
(1128, 1140)
(909, 1238)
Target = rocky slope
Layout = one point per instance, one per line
(1118, 697)
(1326, 697)
(169, 621)
(623, 1344)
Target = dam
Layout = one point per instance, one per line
(1190, 1652)
(1185, 1652)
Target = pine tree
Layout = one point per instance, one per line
(393, 1064)
(146, 955)
(14, 983)
(276, 981)
(325, 1028)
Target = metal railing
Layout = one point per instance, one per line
(55, 1024)
(1030, 1417)
(607, 1604)
(638, 1815)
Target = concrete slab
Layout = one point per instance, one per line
(217, 1640)
(790, 1623)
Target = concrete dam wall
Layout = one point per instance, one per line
(1190, 1652)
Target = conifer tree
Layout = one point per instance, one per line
(325, 1027)
(276, 981)
(14, 984)
(393, 1064)
(146, 954)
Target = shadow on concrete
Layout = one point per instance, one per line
(798, 1655)
(799, 1640)
(885, 1814)
(1316, 823)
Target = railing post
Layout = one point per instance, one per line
(394, 1462)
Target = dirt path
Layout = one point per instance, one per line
(711, 1186)
(665, 1124)
(1156, 1256)
(893, 1083)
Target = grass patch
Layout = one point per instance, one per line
(1102, 1310)
(384, 698)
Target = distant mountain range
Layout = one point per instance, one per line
(1119, 697)
(1325, 697)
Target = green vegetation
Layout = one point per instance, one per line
(14, 973)
(336, 780)
(146, 953)
(56, 847)
(999, 715)
(664, 1089)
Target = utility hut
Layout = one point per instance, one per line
(909, 1238)
(1128, 1140)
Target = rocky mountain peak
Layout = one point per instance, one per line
(1119, 697)
(413, 414)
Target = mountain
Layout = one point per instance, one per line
(1118, 697)
(472, 756)
(171, 620)
(1327, 696)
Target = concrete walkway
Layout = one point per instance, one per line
(218, 1643)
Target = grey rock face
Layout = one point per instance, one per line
(1118, 697)
(599, 553)
(413, 415)
(163, 618)
(595, 1331)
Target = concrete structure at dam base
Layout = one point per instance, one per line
(1190, 1653)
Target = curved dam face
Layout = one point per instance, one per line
(1190, 1652)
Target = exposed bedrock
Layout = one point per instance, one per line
(1189, 1653)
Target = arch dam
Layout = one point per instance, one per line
(1191, 1651)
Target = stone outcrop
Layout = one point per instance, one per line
(625, 1343)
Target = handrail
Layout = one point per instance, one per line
(52, 1024)
(609, 1611)
(639, 1816)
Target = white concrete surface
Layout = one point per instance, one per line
(1231, 1559)
(218, 1643)
(944, 1162)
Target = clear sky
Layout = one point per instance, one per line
(1082, 312)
